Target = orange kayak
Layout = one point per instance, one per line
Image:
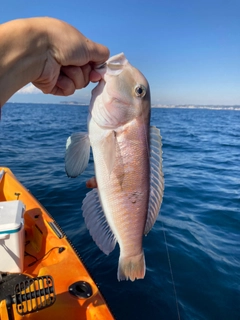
(41, 275)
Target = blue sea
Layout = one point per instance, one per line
(193, 251)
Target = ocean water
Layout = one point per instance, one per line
(193, 251)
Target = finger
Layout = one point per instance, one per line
(64, 86)
(94, 76)
(86, 70)
(79, 75)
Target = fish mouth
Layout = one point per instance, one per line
(100, 66)
(118, 60)
(100, 69)
(113, 66)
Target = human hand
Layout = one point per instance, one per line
(50, 53)
(70, 58)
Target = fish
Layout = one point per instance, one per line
(129, 182)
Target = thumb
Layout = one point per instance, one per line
(98, 53)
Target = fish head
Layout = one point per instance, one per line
(122, 94)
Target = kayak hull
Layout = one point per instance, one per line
(48, 252)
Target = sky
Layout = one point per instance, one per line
(189, 50)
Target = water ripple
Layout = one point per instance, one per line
(199, 219)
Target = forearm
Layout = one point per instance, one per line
(23, 50)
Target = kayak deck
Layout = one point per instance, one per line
(49, 253)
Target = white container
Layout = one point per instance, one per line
(12, 236)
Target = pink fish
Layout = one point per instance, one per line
(128, 164)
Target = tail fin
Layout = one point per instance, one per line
(131, 267)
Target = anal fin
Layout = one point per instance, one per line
(96, 222)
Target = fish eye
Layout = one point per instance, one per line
(140, 90)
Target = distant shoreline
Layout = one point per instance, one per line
(154, 106)
(186, 106)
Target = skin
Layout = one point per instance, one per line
(50, 53)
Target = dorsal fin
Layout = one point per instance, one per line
(156, 178)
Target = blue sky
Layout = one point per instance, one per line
(189, 50)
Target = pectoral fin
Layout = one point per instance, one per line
(77, 154)
(156, 178)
